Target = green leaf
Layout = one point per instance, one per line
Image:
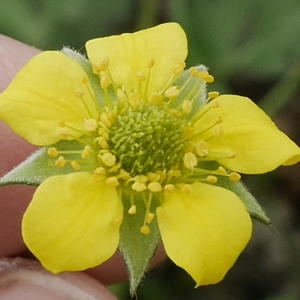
(39, 166)
(137, 248)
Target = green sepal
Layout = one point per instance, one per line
(39, 166)
(137, 249)
(194, 89)
(253, 207)
(87, 67)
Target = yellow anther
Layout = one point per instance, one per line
(213, 95)
(145, 229)
(124, 174)
(132, 210)
(218, 130)
(203, 75)
(140, 75)
(222, 170)
(154, 187)
(219, 120)
(100, 171)
(187, 189)
(201, 149)
(150, 218)
(105, 120)
(90, 125)
(61, 124)
(134, 99)
(211, 179)
(172, 92)
(121, 95)
(60, 162)
(84, 80)
(108, 159)
(235, 176)
(214, 104)
(79, 93)
(193, 71)
(105, 135)
(188, 132)
(169, 188)
(96, 69)
(155, 98)
(105, 82)
(104, 64)
(187, 106)
(141, 178)
(177, 173)
(103, 144)
(175, 112)
(190, 160)
(52, 152)
(75, 165)
(86, 152)
(139, 186)
(209, 79)
(151, 63)
(112, 181)
(153, 177)
(178, 68)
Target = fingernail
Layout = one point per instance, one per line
(26, 280)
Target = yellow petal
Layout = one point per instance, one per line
(72, 222)
(205, 231)
(43, 94)
(250, 134)
(129, 54)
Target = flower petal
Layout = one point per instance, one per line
(72, 222)
(249, 133)
(166, 44)
(205, 231)
(43, 94)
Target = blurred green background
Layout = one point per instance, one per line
(253, 49)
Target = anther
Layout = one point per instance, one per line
(100, 171)
(108, 159)
(104, 64)
(235, 176)
(156, 98)
(222, 170)
(214, 104)
(201, 149)
(211, 179)
(60, 162)
(169, 188)
(134, 99)
(121, 95)
(145, 229)
(79, 93)
(140, 75)
(213, 95)
(187, 106)
(187, 189)
(150, 218)
(86, 152)
(84, 80)
(151, 63)
(218, 130)
(52, 152)
(132, 210)
(105, 82)
(193, 71)
(209, 79)
(190, 160)
(112, 181)
(172, 92)
(139, 186)
(105, 120)
(75, 165)
(90, 125)
(155, 187)
(153, 177)
(178, 68)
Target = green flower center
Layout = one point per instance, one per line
(146, 139)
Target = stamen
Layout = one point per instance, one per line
(112, 181)
(187, 106)
(105, 120)
(150, 218)
(155, 98)
(52, 152)
(178, 68)
(211, 179)
(75, 165)
(121, 95)
(86, 152)
(100, 171)
(201, 149)
(132, 210)
(154, 187)
(187, 189)
(134, 99)
(190, 160)
(60, 162)
(105, 82)
(172, 92)
(169, 188)
(235, 176)
(193, 71)
(141, 76)
(213, 95)
(90, 125)
(145, 229)
(108, 159)
(139, 186)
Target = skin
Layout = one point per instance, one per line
(24, 278)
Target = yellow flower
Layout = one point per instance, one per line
(142, 132)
